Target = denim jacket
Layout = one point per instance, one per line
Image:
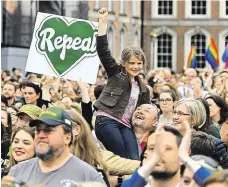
(115, 96)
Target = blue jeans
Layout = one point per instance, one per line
(116, 137)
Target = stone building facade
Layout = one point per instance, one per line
(124, 23)
(165, 29)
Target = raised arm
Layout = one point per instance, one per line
(200, 173)
(103, 51)
(86, 103)
(102, 24)
(139, 177)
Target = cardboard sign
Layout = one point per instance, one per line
(64, 47)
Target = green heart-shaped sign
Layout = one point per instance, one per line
(65, 44)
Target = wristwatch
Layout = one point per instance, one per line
(119, 180)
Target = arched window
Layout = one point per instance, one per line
(111, 39)
(122, 39)
(200, 38)
(199, 41)
(164, 51)
(163, 48)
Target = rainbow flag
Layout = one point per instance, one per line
(225, 56)
(192, 58)
(212, 55)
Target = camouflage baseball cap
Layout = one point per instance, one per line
(53, 116)
(32, 111)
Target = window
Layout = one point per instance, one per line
(200, 38)
(164, 9)
(199, 41)
(163, 48)
(122, 6)
(136, 8)
(111, 5)
(198, 9)
(223, 8)
(111, 39)
(122, 39)
(164, 51)
(226, 40)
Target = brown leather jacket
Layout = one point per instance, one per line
(115, 96)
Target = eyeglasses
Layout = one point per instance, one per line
(46, 130)
(165, 100)
(179, 113)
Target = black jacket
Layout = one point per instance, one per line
(115, 96)
(220, 152)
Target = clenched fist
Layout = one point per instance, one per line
(103, 15)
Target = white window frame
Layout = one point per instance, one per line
(187, 41)
(222, 9)
(136, 8)
(122, 6)
(222, 35)
(111, 5)
(159, 31)
(154, 10)
(188, 10)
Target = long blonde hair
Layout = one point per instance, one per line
(84, 146)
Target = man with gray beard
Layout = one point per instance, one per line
(144, 119)
(54, 164)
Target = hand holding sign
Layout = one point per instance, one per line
(64, 47)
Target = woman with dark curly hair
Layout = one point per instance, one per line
(33, 95)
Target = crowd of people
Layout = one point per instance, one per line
(133, 128)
